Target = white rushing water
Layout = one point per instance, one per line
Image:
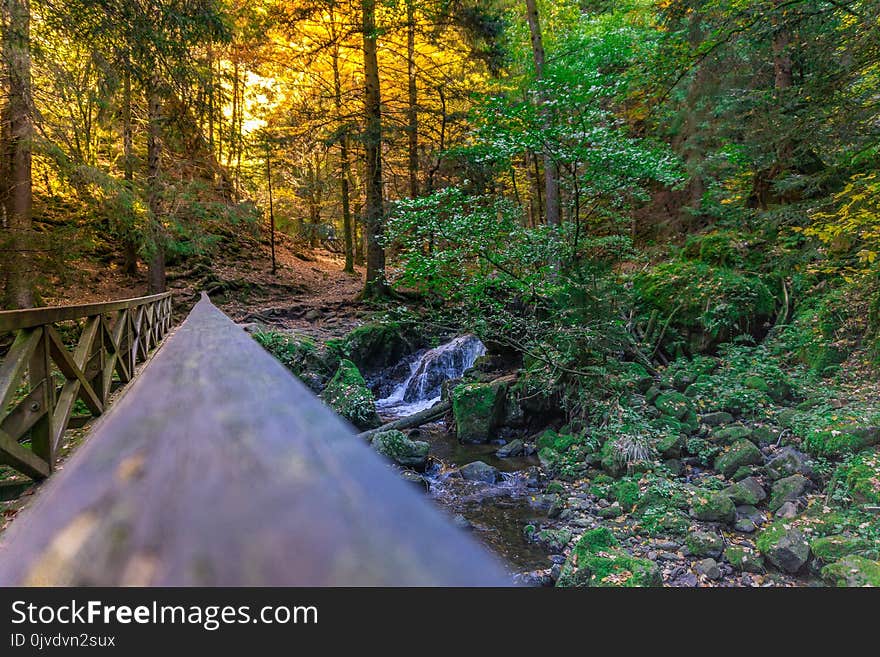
(421, 389)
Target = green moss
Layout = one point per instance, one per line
(378, 345)
(477, 408)
(862, 477)
(744, 559)
(626, 492)
(840, 441)
(596, 560)
(347, 393)
(852, 571)
(396, 446)
(713, 506)
(557, 442)
(832, 548)
(674, 404)
(660, 521)
(740, 453)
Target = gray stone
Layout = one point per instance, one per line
(479, 471)
(788, 551)
(705, 544)
(511, 449)
(716, 419)
(745, 526)
(787, 510)
(788, 489)
(788, 461)
(709, 569)
(747, 491)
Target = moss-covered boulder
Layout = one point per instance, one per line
(347, 394)
(377, 345)
(480, 471)
(788, 489)
(841, 441)
(478, 409)
(670, 445)
(740, 453)
(784, 546)
(674, 404)
(716, 419)
(730, 434)
(713, 506)
(626, 493)
(598, 560)
(831, 548)
(705, 544)
(852, 571)
(744, 558)
(788, 461)
(396, 446)
(554, 539)
(311, 361)
(747, 491)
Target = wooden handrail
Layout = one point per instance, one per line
(41, 380)
(218, 467)
(13, 320)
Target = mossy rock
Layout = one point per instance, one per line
(841, 441)
(832, 548)
(670, 446)
(378, 345)
(729, 435)
(597, 560)
(788, 489)
(744, 559)
(705, 544)
(554, 539)
(661, 521)
(747, 491)
(740, 453)
(713, 506)
(478, 409)
(314, 363)
(396, 446)
(674, 404)
(626, 492)
(557, 442)
(784, 546)
(347, 394)
(852, 571)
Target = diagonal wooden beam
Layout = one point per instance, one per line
(26, 414)
(15, 363)
(23, 460)
(71, 370)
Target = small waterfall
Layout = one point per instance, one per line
(421, 389)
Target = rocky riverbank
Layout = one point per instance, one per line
(716, 471)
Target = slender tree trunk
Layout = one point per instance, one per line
(344, 165)
(551, 171)
(375, 285)
(130, 251)
(18, 131)
(156, 274)
(412, 110)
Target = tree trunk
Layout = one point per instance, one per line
(551, 171)
(156, 274)
(17, 143)
(130, 251)
(412, 112)
(375, 285)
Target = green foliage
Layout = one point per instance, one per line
(347, 393)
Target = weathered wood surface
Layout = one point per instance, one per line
(218, 467)
(411, 421)
(115, 337)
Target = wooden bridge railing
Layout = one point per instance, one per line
(41, 378)
(218, 467)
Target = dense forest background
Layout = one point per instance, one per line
(662, 218)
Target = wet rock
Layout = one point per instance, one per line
(747, 491)
(554, 539)
(788, 461)
(708, 568)
(534, 578)
(511, 449)
(742, 452)
(480, 471)
(784, 547)
(611, 511)
(400, 449)
(716, 419)
(704, 544)
(788, 489)
(415, 479)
